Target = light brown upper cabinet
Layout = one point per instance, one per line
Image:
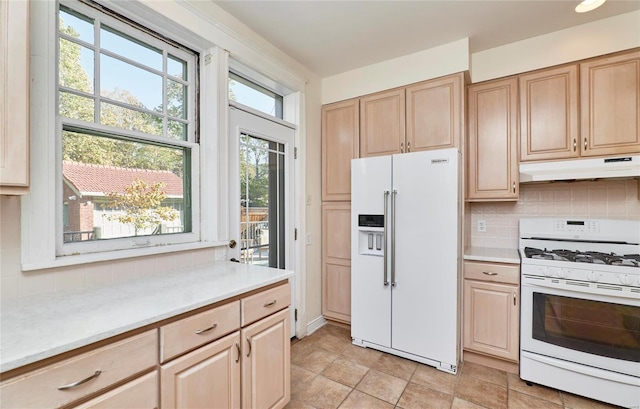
(340, 140)
(382, 120)
(549, 114)
(610, 110)
(14, 99)
(435, 113)
(493, 141)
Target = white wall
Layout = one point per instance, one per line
(423, 65)
(587, 40)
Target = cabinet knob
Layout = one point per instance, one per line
(514, 298)
(514, 187)
(409, 146)
(575, 144)
(585, 144)
(401, 147)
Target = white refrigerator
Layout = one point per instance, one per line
(406, 255)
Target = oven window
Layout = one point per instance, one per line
(595, 327)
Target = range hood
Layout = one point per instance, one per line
(599, 168)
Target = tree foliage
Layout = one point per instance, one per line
(101, 150)
(141, 205)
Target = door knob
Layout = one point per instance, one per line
(232, 244)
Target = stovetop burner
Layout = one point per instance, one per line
(593, 257)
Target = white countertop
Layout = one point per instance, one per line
(492, 254)
(40, 327)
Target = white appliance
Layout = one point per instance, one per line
(580, 316)
(405, 255)
(596, 168)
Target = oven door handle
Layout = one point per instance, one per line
(612, 294)
(587, 370)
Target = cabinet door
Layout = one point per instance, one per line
(340, 144)
(265, 363)
(549, 114)
(14, 99)
(493, 141)
(382, 119)
(336, 261)
(491, 319)
(141, 393)
(610, 110)
(435, 114)
(208, 377)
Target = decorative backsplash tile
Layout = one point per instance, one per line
(606, 199)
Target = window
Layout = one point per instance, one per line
(254, 96)
(127, 127)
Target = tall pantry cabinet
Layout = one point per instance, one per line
(340, 144)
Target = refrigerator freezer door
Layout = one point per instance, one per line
(424, 299)
(370, 297)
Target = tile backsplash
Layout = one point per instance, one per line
(606, 199)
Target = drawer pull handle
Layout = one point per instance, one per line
(202, 331)
(85, 380)
(489, 273)
(249, 342)
(238, 348)
(269, 304)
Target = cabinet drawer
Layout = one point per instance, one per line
(265, 303)
(114, 362)
(141, 393)
(191, 332)
(494, 272)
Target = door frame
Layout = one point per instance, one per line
(255, 123)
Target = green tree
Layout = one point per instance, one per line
(141, 204)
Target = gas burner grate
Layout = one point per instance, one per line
(592, 257)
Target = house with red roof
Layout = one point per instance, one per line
(85, 196)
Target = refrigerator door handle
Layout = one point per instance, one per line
(393, 237)
(384, 252)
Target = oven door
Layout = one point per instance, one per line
(575, 325)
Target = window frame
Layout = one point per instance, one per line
(40, 224)
(278, 99)
(190, 146)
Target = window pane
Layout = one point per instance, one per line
(176, 67)
(114, 188)
(123, 45)
(114, 115)
(176, 97)
(177, 130)
(76, 66)
(254, 96)
(76, 107)
(132, 85)
(76, 25)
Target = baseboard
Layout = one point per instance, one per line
(491, 362)
(315, 325)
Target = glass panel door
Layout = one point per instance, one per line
(262, 202)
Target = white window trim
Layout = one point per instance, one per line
(38, 221)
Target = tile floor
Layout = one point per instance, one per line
(327, 371)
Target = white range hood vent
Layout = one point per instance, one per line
(599, 168)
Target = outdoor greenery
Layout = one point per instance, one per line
(141, 205)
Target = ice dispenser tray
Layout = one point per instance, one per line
(371, 234)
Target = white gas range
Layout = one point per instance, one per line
(580, 315)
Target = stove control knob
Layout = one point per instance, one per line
(563, 273)
(593, 276)
(624, 279)
(548, 272)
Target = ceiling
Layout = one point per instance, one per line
(330, 37)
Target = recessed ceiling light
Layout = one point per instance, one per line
(588, 5)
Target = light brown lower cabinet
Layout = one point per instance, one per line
(492, 310)
(208, 377)
(141, 393)
(266, 379)
(336, 261)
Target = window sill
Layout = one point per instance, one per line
(119, 255)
